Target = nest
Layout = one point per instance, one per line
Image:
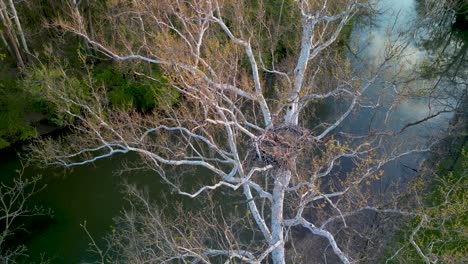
(280, 145)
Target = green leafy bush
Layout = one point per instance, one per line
(130, 90)
(14, 106)
(441, 230)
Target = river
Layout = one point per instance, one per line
(396, 98)
(91, 193)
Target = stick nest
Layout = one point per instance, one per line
(279, 146)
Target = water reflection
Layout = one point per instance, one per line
(416, 98)
(377, 37)
(402, 95)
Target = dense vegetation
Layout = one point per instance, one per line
(442, 232)
(57, 53)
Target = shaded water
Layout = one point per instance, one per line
(91, 193)
(88, 194)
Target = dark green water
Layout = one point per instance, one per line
(88, 193)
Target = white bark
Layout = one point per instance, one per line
(418, 249)
(18, 26)
(309, 50)
(7, 29)
(282, 179)
(292, 113)
(253, 63)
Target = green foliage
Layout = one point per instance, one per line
(14, 106)
(345, 33)
(126, 89)
(43, 81)
(274, 25)
(23, 95)
(284, 35)
(448, 209)
(100, 85)
(443, 235)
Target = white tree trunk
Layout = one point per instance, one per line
(18, 26)
(292, 113)
(282, 178)
(7, 30)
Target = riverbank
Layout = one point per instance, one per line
(438, 232)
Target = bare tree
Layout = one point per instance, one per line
(13, 207)
(251, 138)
